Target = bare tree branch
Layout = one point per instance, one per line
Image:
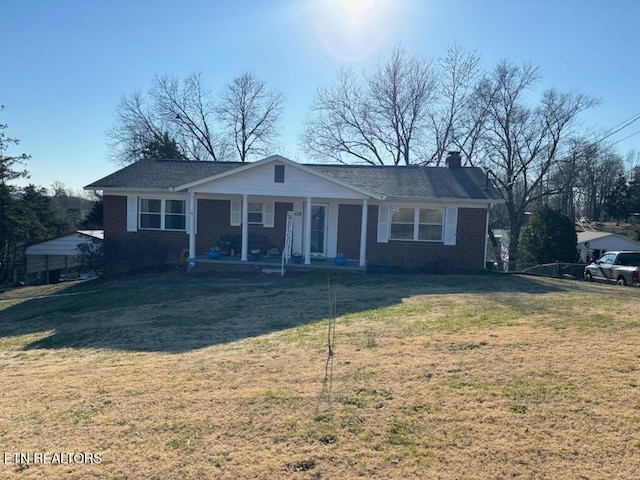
(190, 109)
(250, 114)
(379, 121)
(521, 144)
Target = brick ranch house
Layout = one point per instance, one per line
(408, 216)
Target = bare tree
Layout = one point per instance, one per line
(190, 111)
(381, 120)
(522, 144)
(339, 126)
(250, 112)
(453, 121)
(136, 125)
(400, 92)
(599, 168)
(185, 112)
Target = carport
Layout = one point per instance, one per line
(57, 255)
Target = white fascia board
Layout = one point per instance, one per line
(151, 192)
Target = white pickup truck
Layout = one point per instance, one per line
(621, 268)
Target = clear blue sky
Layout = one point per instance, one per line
(65, 64)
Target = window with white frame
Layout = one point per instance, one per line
(258, 213)
(163, 214)
(150, 213)
(255, 213)
(175, 217)
(418, 224)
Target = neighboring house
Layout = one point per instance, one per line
(58, 254)
(592, 245)
(406, 216)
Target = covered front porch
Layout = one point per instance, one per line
(274, 264)
(254, 196)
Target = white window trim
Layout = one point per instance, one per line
(416, 223)
(268, 213)
(163, 213)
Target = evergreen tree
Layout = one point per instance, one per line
(617, 201)
(94, 219)
(549, 236)
(9, 170)
(164, 147)
(634, 191)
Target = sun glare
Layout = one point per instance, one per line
(356, 7)
(352, 30)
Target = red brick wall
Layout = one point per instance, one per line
(114, 216)
(214, 220)
(467, 254)
(115, 228)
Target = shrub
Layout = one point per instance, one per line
(549, 236)
(91, 257)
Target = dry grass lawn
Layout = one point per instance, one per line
(222, 377)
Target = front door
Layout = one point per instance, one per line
(319, 230)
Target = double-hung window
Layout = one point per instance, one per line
(258, 213)
(417, 224)
(255, 213)
(162, 214)
(150, 213)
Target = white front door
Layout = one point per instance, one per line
(319, 230)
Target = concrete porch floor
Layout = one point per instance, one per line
(272, 262)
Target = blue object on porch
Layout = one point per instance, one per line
(214, 254)
(339, 261)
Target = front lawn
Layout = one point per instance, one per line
(228, 377)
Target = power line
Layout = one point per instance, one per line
(628, 136)
(618, 127)
(624, 121)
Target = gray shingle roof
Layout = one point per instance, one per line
(410, 182)
(414, 181)
(160, 174)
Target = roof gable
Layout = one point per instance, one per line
(258, 178)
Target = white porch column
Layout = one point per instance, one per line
(307, 233)
(363, 233)
(192, 225)
(245, 227)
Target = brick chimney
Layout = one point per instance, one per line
(454, 160)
